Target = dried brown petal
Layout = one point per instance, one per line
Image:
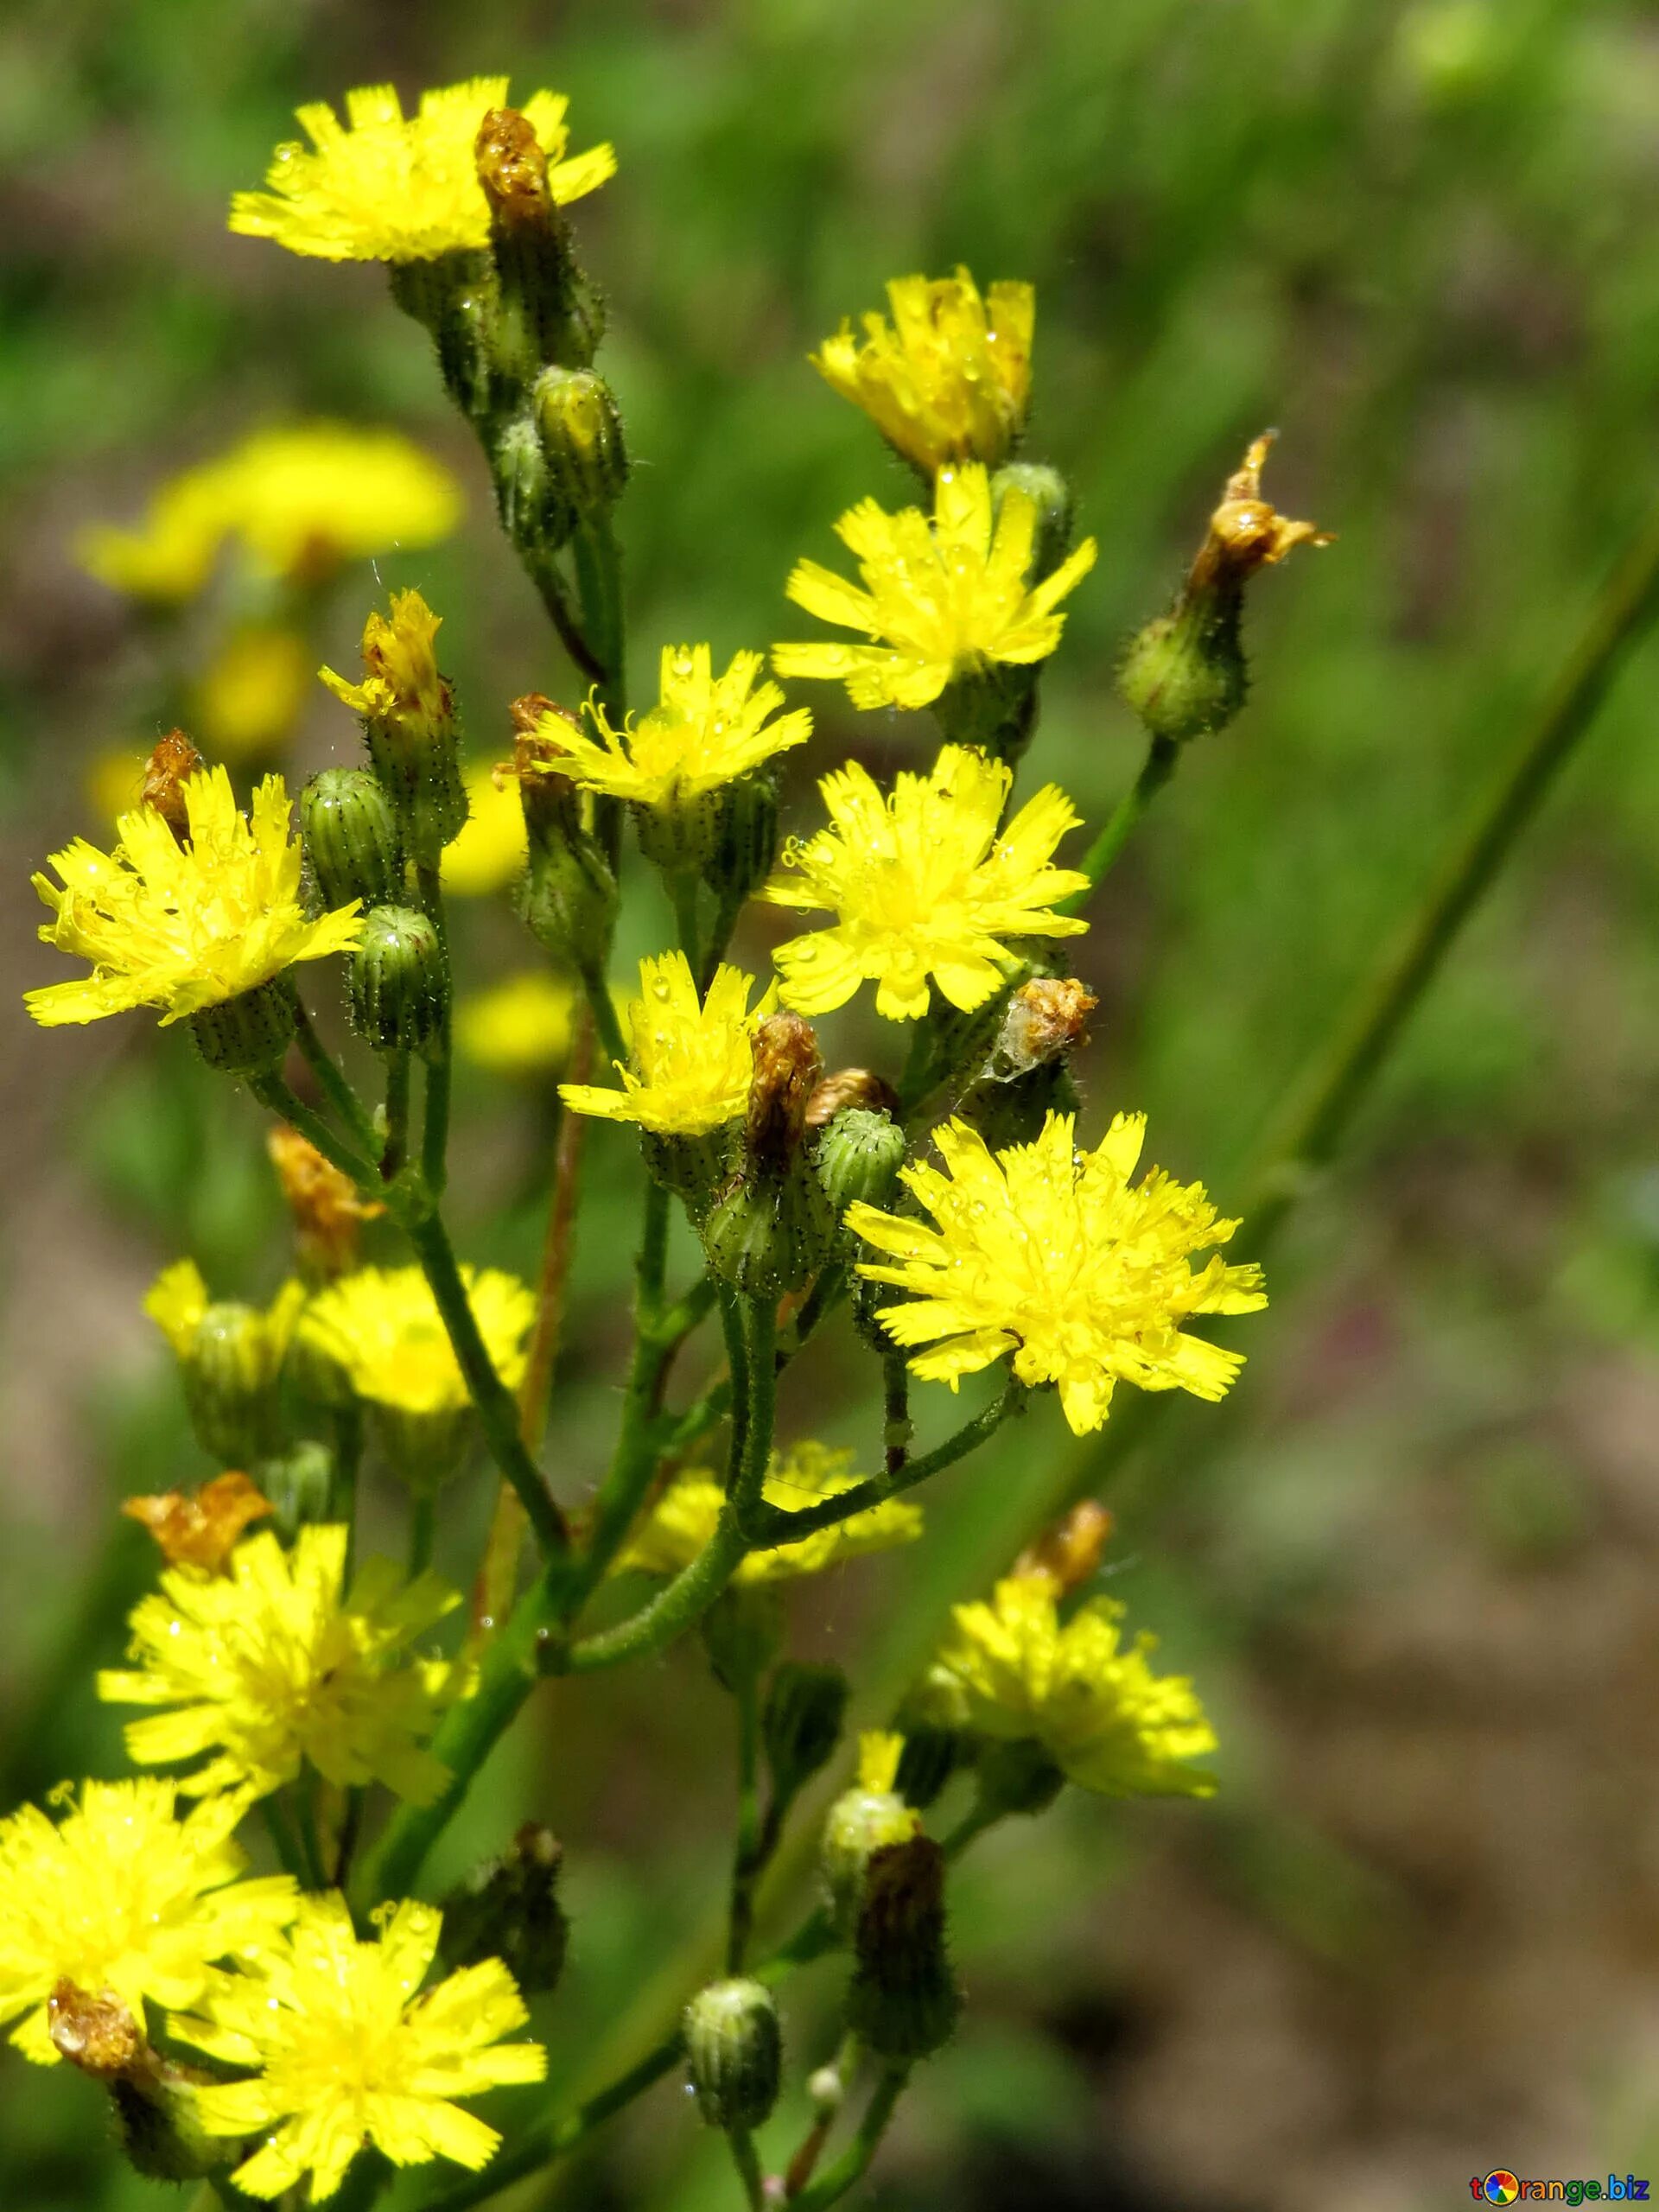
(1068, 1554)
(787, 1070)
(203, 1530)
(850, 1087)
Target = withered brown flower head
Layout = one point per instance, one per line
(328, 1213)
(1046, 1017)
(512, 167)
(1067, 1554)
(203, 1530)
(1247, 531)
(903, 1910)
(850, 1087)
(166, 772)
(787, 1070)
(97, 2033)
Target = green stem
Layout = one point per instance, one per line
(332, 1079)
(602, 1007)
(272, 1091)
(974, 1823)
(395, 1150)
(851, 2166)
(423, 1525)
(746, 1860)
(1155, 772)
(283, 1838)
(683, 890)
(746, 2159)
(434, 1126)
(599, 581)
(824, 1296)
(305, 1822)
(347, 1424)
(898, 1428)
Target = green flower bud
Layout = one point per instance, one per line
(452, 295)
(904, 2000)
(567, 898)
(801, 1723)
(582, 437)
(863, 1820)
(536, 509)
(398, 980)
(681, 836)
(1050, 495)
(733, 2049)
(231, 1370)
(248, 1034)
(743, 1632)
(298, 1482)
(859, 1156)
(746, 840)
(509, 1909)
(931, 1757)
(351, 838)
(770, 1232)
(424, 1450)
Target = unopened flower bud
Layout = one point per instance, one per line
(801, 1723)
(733, 2049)
(204, 1530)
(1068, 1554)
(746, 837)
(398, 980)
(1050, 495)
(250, 1033)
(327, 1213)
(155, 2109)
(537, 510)
(863, 1820)
(351, 838)
(859, 1156)
(932, 1756)
(230, 1373)
(174, 761)
(544, 310)
(509, 1909)
(581, 430)
(407, 713)
(567, 898)
(1185, 674)
(904, 2001)
(299, 1483)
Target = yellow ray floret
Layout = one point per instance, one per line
(270, 1663)
(706, 730)
(121, 1895)
(350, 2051)
(383, 1326)
(294, 501)
(386, 187)
(1057, 1257)
(1093, 1703)
(692, 1063)
(949, 379)
(683, 1519)
(924, 885)
(186, 926)
(941, 599)
(177, 1302)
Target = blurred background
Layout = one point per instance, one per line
(1412, 1561)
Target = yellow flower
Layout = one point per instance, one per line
(121, 1895)
(401, 681)
(683, 1520)
(950, 378)
(249, 695)
(296, 502)
(519, 1026)
(351, 2052)
(177, 1302)
(383, 1326)
(942, 600)
(385, 187)
(692, 1063)
(1107, 1720)
(490, 852)
(923, 883)
(1056, 1257)
(186, 926)
(879, 1752)
(705, 731)
(269, 1664)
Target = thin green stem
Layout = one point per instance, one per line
(683, 890)
(272, 1091)
(305, 1823)
(602, 1005)
(435, 1123)
(821, 1300)
(747, 1861)
(746, 2159)
(1155, 772)
(422, 1527)
(979, 1816)
(283, 1840)
(599, 581)
(853, 2163)
(346, 1422)
(332, 1079)
(395, 1148)
(896, 1428)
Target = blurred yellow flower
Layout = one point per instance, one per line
(177, 1302)
(249, 696)
(692, 1063)
(490, 852)
(1094, 1705)
(705, 731)
(387, 186)
(272, 1664)
(186, 926)
(520, 1027)
(949, 379)
(296, 502)
(121, 1895)
(350, 2051)
(683, 1519)
(1055, 1256)
(383, 1327)
(923, 883)
(943, 599)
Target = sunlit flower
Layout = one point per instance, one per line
(385, 187)
(924, 884)
(120, 1895)
(177, 1302)
(272, 1664)
(1055, 1256)
(402, 685)
(1093, 1703)
(382, 1325)
(706, 730)
(519, 1026)
(294, 503)
(491, 851)
(683, 1519)
(949, 379)
(183, 926)
(692, 1063)
(350, 2050)
(942, 600)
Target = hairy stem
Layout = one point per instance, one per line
(853, 2163)
(332, 1079)
(1155, 772)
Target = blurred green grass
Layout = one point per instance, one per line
(1420, 239)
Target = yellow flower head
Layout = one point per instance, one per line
(387, 186)
(879, 1752)
(177, 1302)
(518, 1027)
(692, 1062)
(1055, 1256)
(949, 379)
(923, 883)
(491, 851)
(183, 926)
(121, 1895)
(295, 502)
(706, 730)
(270, 1663)
(401, 681)
(941, 599)
(683, 1519)
(383, 1326)
(1108, 1721)
(350, 2050)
